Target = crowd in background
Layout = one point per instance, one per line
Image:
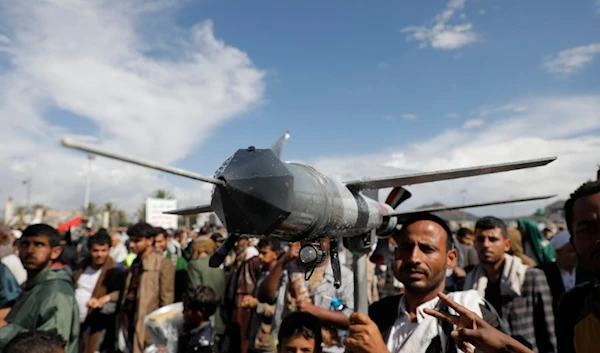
(94, 293)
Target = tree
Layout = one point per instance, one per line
(39, 205)
(122, 218)
(20, 210)
(162, 194)
(141, 213)
(92, 210)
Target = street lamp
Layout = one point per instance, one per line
(86, 202)
(27, 182)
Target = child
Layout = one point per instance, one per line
(36, 341)
(199, 304)
(300, 332)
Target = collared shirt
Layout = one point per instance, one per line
(404, 326)
(568, 278)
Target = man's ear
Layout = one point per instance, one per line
(451, 258)
(507, 245)
(55, 253)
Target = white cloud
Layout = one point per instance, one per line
(563, 126)
(482, 12)
(409, 116)
(90, 59)
(507, 108)
(451, 115)
(441, 35)
(473, 123)
(573, 60)
(388, 117)
(597, 3)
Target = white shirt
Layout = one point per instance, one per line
(568, 278)
(85, 288)
(118, 253)
(15, 266)
(404, 326)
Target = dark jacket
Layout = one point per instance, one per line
(557, 288)
(48, 302)
(100, 326)
(198, 340)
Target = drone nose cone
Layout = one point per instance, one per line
(258, 193)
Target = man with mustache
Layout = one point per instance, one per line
(424, 252)
(48, 298)
(518, 292)
(578, 323)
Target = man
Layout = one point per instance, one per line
(161, 245)
(269, 250)
(48, 299)
(98, 285)
(518, 292)
(561, 275)
(578, 325)
(424, 251)
(469, 259)
(10, 291)
(286, 286)
(199, 273)
(144, 293)
(118, 251)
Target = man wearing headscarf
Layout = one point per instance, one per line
(535, 244)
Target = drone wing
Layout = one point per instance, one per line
(190, 210)
(420, 178)
(473, 205)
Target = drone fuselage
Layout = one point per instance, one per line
(263, 195)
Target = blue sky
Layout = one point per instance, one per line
(189, 82)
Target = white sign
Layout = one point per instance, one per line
(155, 215)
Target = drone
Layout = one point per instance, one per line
(255, 192)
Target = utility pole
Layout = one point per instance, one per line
(463, 193)
(27, 183)
(86, 202)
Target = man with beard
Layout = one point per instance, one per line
(149, 286)
(48, 299)
(578, 323)
(518, 292)
(424, 252)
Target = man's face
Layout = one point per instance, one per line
(266, 255)
(566, 257)
(586, 232)
(99, 254)
(115, 240)
(36, 253)
(422, 257)
(160, 243)
(491, 245)
(190, 317)
(297, 344)
(467, 239)
(139, 245)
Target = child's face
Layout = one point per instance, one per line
(191, 317)
(298, 344)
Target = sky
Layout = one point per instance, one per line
(365, 89)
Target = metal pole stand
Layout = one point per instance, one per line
(359, 246)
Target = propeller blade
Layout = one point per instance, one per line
(190, 210)
(277, 146)
(420, 178)
(69, 143)
(473, 205)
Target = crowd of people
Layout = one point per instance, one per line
(431, 289)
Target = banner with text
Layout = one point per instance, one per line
(155, 215)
